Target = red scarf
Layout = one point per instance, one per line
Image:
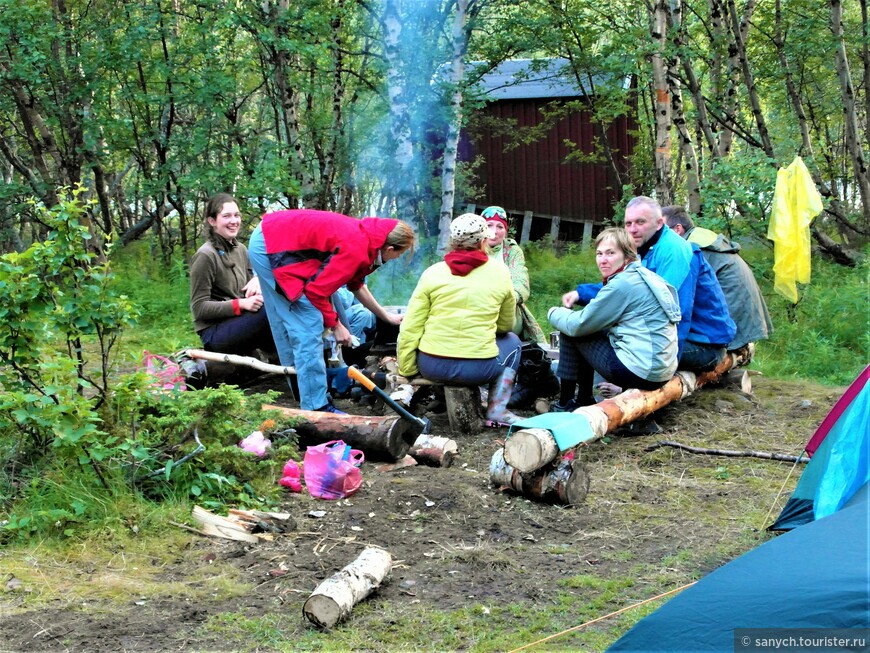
(463, 262)
(605, 280)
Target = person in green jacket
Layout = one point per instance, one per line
(511, 254)
(457, 327)
(627, 332)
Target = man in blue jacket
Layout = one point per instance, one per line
(746, 304)
(706, 327)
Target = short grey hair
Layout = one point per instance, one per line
(648, 202)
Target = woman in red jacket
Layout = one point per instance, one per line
(304, 256)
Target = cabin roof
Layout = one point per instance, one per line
(523, 79)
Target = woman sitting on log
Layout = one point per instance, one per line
(627, 333)
(457, 328)
(225, 297)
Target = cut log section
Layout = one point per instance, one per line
(464, 410)
(335, 597)
(434, 450)
(530, 452)
(565, 482)
(530, 449)
(379, 438)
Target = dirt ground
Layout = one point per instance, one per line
(457, 540)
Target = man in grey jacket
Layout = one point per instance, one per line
(745, 302)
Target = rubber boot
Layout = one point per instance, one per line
(500, 390)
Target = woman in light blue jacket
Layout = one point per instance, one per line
(627, 333)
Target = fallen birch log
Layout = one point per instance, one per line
(434, 450)
(565, 482)
(728, 452)
(528, 452)
(335, 597)
(379, 438)
(245, 361)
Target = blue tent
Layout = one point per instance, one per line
(816, 576)
(840, 450)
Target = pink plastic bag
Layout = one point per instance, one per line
(332, 470)
(166, 374)
(256, 443)
(291, 476)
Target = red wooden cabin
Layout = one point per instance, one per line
(543, 193)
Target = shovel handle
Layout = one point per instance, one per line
(361, 378)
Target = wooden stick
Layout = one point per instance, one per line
(335, 597)
(728, 452)
(233, 359)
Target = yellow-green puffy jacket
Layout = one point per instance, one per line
(456, 317)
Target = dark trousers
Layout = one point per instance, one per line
(580, 358)
(472, 371)
(240, 334)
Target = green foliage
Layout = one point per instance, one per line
(745, 180)
(167, 427)
(552, 274)
(57, 304)
(162, 294)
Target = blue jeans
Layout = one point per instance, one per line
(297, 328)
(697, 357)
(472, 371)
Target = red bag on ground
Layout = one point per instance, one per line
(331, 470)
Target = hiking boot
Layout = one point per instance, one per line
(569, 407)
(330, 408)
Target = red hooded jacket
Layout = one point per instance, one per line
(317, 252)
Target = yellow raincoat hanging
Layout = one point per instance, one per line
(796, 202)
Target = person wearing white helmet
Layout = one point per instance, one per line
(457, 328)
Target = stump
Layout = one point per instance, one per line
(335, 597)
(464, 410)
(565, 481)
(380, 438)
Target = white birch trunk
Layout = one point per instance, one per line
(402, 181)
(335, 597)
(850, 115)
(662, 104)
(451, 146)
